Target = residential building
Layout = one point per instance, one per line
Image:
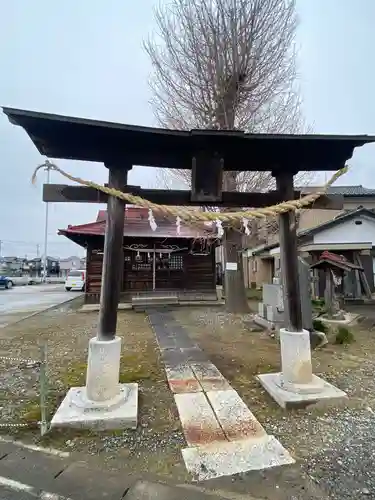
(71, 263)
(261, 258)
(14, 266)
(36, 267)
(266, 232)
(351, 234)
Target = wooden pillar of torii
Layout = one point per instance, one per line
(112, 405)
(113, 255)
(103, 369)
(295, 385)
(288, 257)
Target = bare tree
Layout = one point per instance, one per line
(227, 64)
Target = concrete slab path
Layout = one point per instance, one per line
(223, 436)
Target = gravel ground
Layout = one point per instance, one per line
(154, 447)
(16, 380)
(345, 468)
(335, 446)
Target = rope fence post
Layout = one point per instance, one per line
(41, 366)
(43, 384)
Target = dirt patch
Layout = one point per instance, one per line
(154, 447)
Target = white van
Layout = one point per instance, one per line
(76, 280)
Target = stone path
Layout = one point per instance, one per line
(222, 434)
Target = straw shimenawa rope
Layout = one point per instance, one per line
(189, 215)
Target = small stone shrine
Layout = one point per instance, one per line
(271, 312)
(296, 385)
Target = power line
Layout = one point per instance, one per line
(34, 243)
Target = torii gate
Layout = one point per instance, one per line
(208, 154)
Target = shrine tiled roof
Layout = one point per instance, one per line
(139, 226)
(333, 260)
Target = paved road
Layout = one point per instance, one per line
(26, 474)
(22, 301)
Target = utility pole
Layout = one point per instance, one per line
(37, 250)
(47, 166)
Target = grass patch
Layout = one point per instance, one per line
(320, 326)
(317, 302)
(344, 336)
(75, 374)
(254, 294)
(134, 367)
(318, 306)
(31, 413)
(138, 366)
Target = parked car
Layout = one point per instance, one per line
(5, 282)
(34, 280)
(19, 280)
(76, 280)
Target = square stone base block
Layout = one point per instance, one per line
(327, 395)
(122, 415)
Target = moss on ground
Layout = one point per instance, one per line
(138, 366)
(31, 412)
(254, 294)
(75, 374)
(344, 336)
(134, 367)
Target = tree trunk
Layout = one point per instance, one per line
(234, 286)
(328, 294)
(234, 283)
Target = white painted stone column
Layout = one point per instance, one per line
(103, 403)
(103, 369)
(296, 385)
(296, 363)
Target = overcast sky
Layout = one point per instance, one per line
(85, 58)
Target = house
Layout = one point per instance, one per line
(36, 266)
(70, 263)
(154, 261)
(353, 197)
(266, 232)
(351, 234)
(14, 266)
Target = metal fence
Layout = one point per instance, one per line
(41, 366)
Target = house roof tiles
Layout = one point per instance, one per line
(356, 191)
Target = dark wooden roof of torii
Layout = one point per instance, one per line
(65, 137)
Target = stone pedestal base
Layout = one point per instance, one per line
(103, 403)
(318, 391)
(77, 411)
(296, 386)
